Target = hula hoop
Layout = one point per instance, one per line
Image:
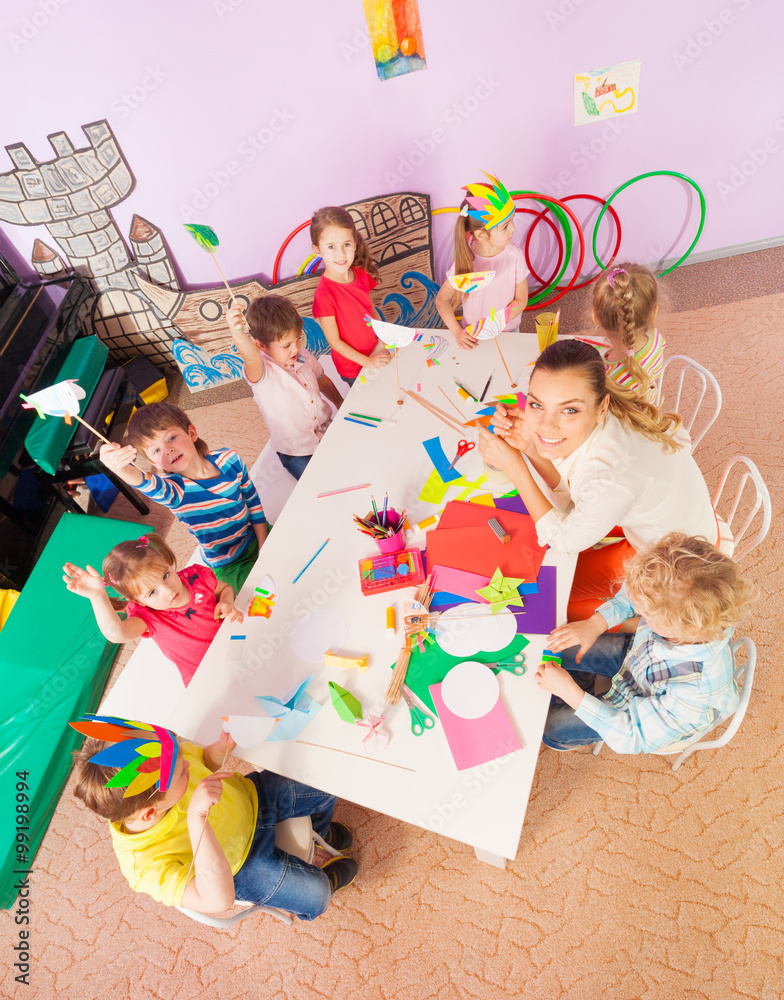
(283, 246)
(539, 217)
(536, 300)
(641, 177)
(616, 220)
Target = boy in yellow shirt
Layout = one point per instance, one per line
(156, 793)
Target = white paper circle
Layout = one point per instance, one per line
(470, 690)
(464, 637)
(320, 631)
(249, 730)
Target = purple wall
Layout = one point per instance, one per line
(248, 116)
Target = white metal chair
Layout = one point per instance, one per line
(700, 380)
(744, 678)
(295, 836)
(731, 536)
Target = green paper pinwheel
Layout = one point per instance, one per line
(344, 703)
(204, 236)
(501, 591)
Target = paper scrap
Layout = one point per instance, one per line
(440, 462)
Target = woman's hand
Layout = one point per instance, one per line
(496, 452)
(509, 423)
(86, 583)
(583, 634)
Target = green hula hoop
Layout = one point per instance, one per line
(641, 177)
(563, 219)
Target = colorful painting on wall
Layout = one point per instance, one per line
(604, 93)
(395, 36)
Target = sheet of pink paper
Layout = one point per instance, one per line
(459, 581)
(476, 741)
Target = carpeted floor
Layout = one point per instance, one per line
(632, 882)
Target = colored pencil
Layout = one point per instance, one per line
(487, 386)
(362, 423)
(377, 420)
(309, 562)
(347, 489)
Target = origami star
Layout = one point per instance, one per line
(501, 591)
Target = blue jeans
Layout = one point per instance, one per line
(563, 730)
(271, 876)
(295, 464)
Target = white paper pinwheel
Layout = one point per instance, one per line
(59, 400)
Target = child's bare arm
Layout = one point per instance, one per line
(329, 391)
(520, 300)
(212, 887)
(118, 458)
(224, 603)
(330, 327)
(248, 349)
(444, 305)
(215, 753)
(89, 583)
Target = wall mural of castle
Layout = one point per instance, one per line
(138, 305)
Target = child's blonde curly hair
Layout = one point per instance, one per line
(689, 585)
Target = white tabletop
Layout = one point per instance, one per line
(414, 778)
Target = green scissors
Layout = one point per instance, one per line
(514, 665)
(420, 720)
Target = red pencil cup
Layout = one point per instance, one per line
(396, 542)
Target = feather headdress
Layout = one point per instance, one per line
(144, 754)
(490, 204)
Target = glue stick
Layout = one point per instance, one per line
(391, 619)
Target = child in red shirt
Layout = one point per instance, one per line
(342, 298)
(181, 611)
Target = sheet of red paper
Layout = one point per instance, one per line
(464, 541)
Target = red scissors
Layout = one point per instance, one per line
(463, 447)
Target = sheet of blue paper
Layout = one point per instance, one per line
(441, 597)
(441, 463)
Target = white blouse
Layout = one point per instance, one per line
(619, 477)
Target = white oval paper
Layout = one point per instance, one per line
(464, 637)
(320, 631)
(249, 730)
(470, 690)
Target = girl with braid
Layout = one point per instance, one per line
(624, 311)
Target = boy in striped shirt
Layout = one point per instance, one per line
(209, 491)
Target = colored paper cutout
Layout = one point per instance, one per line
(470, 629)
(345, 704)
(294, 711)
(467, 283)
(145, 754)
(204, 236)
(490, 204)
(486, 500)
(501, 591)
(476, 741)
(346, 662)
(457, 581)
(440, 462)
(491, 326)
(514, 503)
(470, 690)
(58, 400)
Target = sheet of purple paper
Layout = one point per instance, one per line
(539, 617)
(511, 503)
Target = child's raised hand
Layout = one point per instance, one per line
(86, 583)
(117, 457)
(235, 317)
(227, 609)
(380, 360)
(207, 794)
(466, 342)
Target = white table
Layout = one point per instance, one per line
(414, 778)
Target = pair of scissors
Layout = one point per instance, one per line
(514, 665)
(420, 720)
(463, 447)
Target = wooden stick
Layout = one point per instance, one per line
(513, 384)
(398, 674)
(204, 826)
(443, 417)
(397, 375)
(98, 435)
(348, 753)
(451, 403)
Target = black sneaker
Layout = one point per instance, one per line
(340, 872)
(339, 837)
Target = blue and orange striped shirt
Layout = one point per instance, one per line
(220, 512)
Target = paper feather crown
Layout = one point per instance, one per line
(490, 204)
(144, 754)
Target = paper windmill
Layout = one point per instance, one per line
(344, 703)
(501, 591)
(374, 732)
(204, 236)
(467, 283)
(59, 400)
(144, 754)
(489, 204)
(490, 327)
(294, 711)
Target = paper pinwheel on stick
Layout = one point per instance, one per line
(208, 240)
(145, 755)
(394, 336)
(294, 711)
(467, 283)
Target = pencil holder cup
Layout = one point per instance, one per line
(396, 542)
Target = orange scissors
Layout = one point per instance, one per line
(463, 447)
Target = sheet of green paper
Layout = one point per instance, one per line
(432, 666)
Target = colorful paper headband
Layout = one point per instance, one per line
(489, 204)
(144, 754)
(611, 275)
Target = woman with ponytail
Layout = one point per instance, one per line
(605, 458)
